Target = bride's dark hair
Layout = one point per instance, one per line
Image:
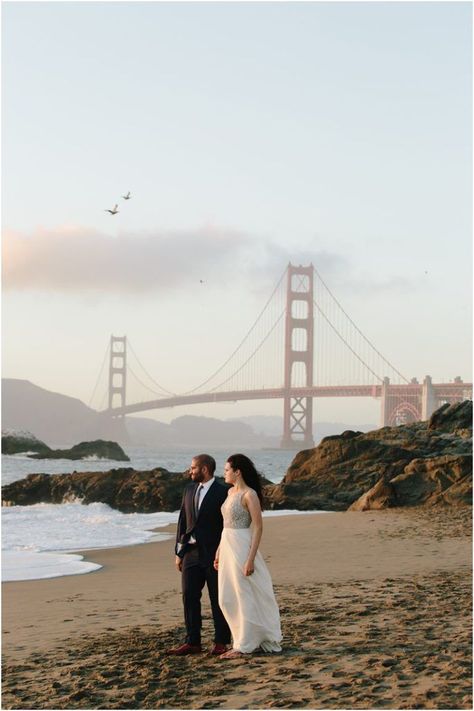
(249, 474)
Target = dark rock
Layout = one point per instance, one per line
(125, 489)
(19, 442)
(99, 448)
(22, 442)
(426, 463)
(452, 418)
(379, 496)
(447, 478)
(420, 463)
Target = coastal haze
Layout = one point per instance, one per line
(244, 227)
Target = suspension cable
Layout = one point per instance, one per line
(255, 351)
(100, 374)
(164, 390)
(358, 329)
(344, 341)
(198, 387)
(104, 398)
(147, 387)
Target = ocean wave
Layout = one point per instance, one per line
(96, 458)
(62, 529)
(32, 565)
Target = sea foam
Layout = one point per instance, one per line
(36, 540)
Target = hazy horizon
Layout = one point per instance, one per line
(249, 135)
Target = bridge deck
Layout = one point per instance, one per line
(448, 390)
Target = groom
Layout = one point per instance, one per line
(197, 538)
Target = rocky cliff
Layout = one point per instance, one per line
(424, 463)
(420, 463)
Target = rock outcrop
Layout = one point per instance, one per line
(25, 442)
(98, 448)
(423, 463)
(124, 489)
(17, 442)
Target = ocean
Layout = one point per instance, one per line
(42, 541)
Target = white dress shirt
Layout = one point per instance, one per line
(206, 485)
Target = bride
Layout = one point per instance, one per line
(245, 587)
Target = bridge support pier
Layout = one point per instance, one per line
(429, 402)
(298, 411)
(385, 404)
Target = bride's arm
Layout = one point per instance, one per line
(216, 557)
(253, 504)
(216, 560)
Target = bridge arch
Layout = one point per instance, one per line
(404, 412)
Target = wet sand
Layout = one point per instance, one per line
(375, 607)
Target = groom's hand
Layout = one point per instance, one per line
(178, 562)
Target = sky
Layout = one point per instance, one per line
(250, 135)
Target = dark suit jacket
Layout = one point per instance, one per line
(207, 527)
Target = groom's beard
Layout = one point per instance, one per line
(199, 477)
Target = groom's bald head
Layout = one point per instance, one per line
(205, 461)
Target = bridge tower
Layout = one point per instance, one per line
(117, 370)
(298, 411)
(429, 401)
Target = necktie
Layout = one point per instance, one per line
(196, 500)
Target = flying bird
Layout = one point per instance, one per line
(114, 211)
(201, 281)
(127, 196)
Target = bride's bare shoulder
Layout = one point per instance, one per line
(250, 495)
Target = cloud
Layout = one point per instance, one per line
(79, 259)
(82, 260)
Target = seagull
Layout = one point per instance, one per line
(201, 281)
(114, 211)
(127, 196)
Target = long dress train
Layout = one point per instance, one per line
(248, 602)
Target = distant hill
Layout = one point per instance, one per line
(190, 430)
(53, 417)
(59, 419)
(272, 426)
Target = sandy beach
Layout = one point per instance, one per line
(375, 607)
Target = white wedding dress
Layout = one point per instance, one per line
(248, 602)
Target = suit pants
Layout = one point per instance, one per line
(196, 574)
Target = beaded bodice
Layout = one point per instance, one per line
(234, 513)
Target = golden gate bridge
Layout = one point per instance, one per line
(303, 345)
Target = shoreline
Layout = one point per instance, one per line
(47, 558)
(409, 569)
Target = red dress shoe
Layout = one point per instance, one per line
(218, 649)
(185, 649)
